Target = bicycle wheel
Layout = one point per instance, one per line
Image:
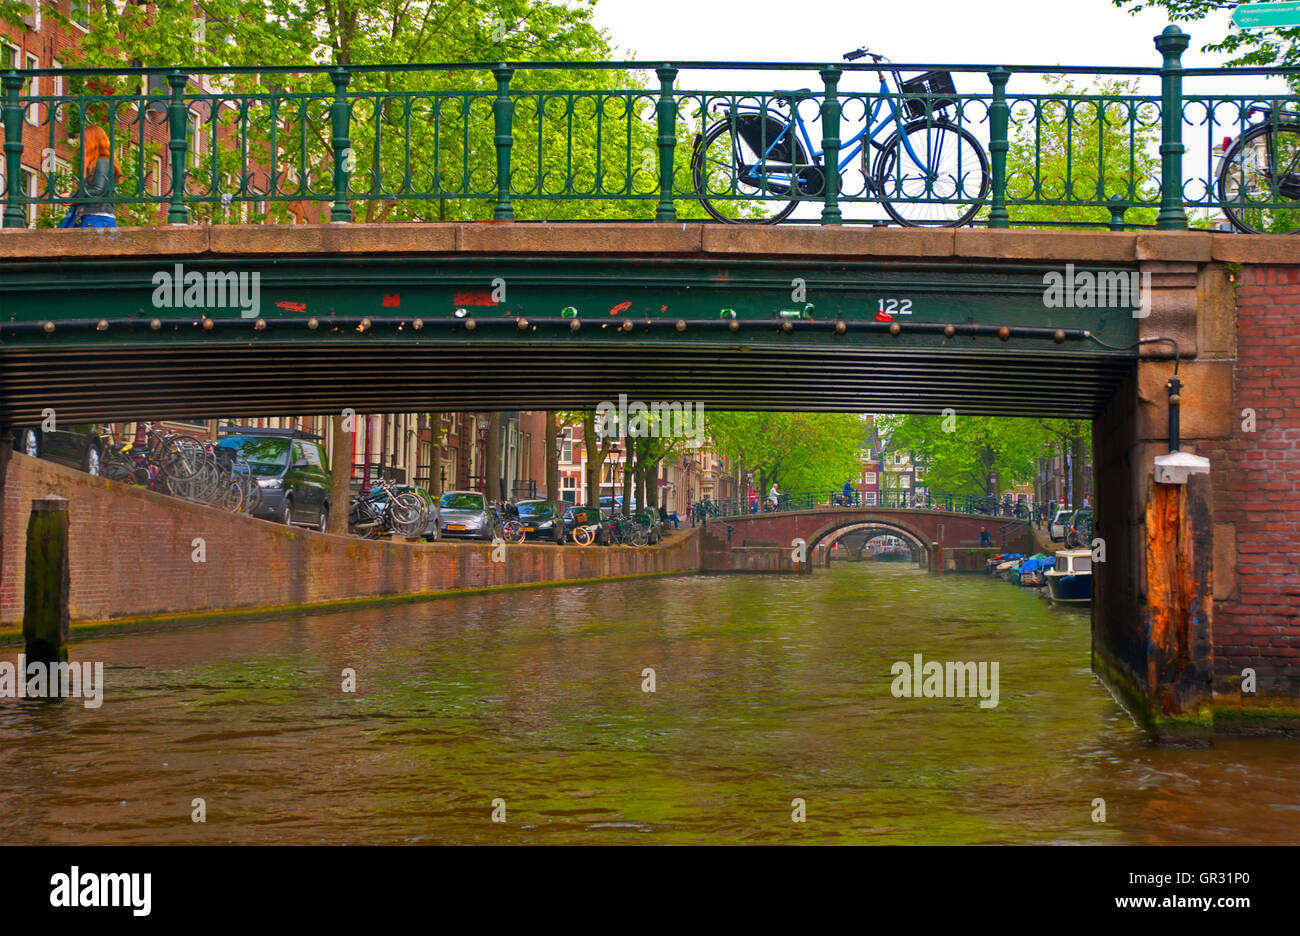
(737, 185)
(118, 467)
(1259, 176)
(583, 536)
(407, 514)
(933, 174)
(637, 534)
(511, 531)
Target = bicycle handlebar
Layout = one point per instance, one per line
(863, 52)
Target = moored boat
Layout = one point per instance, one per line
(1070, 582)
(1033, 569)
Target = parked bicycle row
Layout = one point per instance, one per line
(470, 515)
(170, 462)
(283, 475)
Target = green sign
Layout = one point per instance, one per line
(1266, 15)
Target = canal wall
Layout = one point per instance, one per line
(135, 554)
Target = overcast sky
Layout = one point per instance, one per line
(1015, 32)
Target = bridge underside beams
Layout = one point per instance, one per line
(264, 379)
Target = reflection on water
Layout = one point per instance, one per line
(768, 689)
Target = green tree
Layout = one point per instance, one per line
(1075, 144)
(799, 451)
(426, 134)
(961, 453)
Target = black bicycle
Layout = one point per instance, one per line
(1259, 178)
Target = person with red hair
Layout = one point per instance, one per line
(100, 174)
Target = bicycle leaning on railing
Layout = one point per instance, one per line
(1258, 181)
(925, 169)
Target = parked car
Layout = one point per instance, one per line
(464, 514)
(78, 446)
(1078, 529)
(614, 503)
(291, 469)
(1056, 529)
(542, 520)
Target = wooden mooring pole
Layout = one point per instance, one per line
(46, 586)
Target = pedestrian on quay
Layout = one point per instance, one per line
(985, 539)
(773, 496)
(93, 207)
(753, 501)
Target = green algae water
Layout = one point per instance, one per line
(768, 689)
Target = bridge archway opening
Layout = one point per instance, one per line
(873, 529)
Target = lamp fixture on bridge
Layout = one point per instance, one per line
(522, 323)
(417, 324)
(102, 325)
(313, 323)
(259, 324)
(155, 324)
(575, 324)
(364, 325)
(460, 313)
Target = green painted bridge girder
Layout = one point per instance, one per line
(104, 339)
(647, 297)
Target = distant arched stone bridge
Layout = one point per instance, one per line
(822, 526)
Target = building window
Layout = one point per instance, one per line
(81, 14)
(869, 477)
(33, 115)
(194, 139)
(31, 185)
(566, 447)
(156, 176)
(871, 498)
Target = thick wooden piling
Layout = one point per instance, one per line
(47, 582)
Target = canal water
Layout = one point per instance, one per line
(767, 689)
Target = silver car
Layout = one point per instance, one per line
(464, 514)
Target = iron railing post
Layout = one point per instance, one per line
(502, 113)
(1171, 43)
(999, 121)
(666, 110)
(830, 147)
(15, 198)
(177, 146)
(340, 119)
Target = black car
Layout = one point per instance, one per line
(542, 520)
(291, 469)
(78, 446)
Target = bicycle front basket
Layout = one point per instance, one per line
(935, 86)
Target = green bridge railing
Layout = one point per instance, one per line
(1004, 507)
(626, 141)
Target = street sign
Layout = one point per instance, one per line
(1266, 15)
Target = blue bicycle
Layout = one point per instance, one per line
(755, 164)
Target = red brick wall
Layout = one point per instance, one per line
(1257, 489)
(131, 555)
